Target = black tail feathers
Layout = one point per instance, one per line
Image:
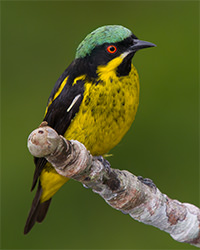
(38, 210)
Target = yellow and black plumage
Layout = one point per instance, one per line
(94, 101)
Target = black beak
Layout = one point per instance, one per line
(138, 44)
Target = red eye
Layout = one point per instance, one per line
(111, 49)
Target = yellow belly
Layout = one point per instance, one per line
(51, 182)
(105, 115)
(106, 112)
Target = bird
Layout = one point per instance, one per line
(94, 101)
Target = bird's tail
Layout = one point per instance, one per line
(38, 210)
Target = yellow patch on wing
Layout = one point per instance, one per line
(60, 88)
(51, 182)
(56, 94)
(82, 77)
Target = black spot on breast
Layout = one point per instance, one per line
(102, 99)
(108, 114)
(116, 120)
(87, 100)
(97, 82)
(92, 111)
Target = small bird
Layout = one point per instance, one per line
(94, 101)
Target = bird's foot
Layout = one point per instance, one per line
(104, 162)
(147, 182)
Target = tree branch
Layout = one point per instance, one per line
(138, 197)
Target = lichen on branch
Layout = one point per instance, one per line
(122, 190)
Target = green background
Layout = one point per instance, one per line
(38, 41)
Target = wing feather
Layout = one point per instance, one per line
(59, 118)
(63, 103)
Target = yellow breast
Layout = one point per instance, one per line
(105, 115)
(107, 110)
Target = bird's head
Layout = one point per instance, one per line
(113, 44)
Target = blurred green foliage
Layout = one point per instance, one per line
(38, 41)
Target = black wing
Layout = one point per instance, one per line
(60, 113)
(61, 109)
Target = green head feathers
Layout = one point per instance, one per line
(104, 34)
